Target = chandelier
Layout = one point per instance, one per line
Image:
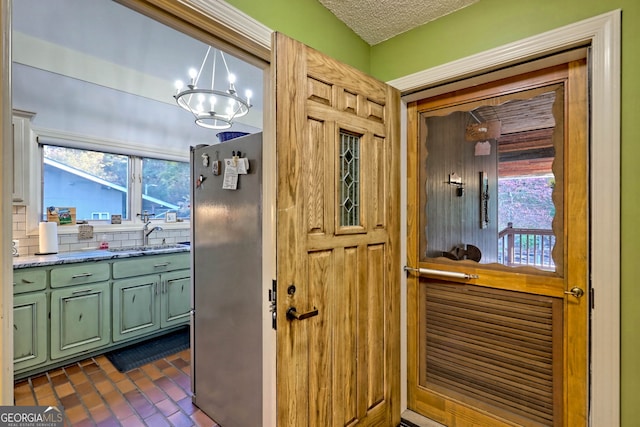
(212, 108)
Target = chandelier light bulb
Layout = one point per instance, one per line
(194, 99)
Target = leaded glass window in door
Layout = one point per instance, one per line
(349, 180)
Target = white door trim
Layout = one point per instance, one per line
(602, 33)
(225, 14)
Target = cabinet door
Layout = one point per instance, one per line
(80, 319)
(21, 135)
(176, 298)
(29, 330)
(136, 307)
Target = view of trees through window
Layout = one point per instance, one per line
(525, 202)
(97, 184)
(107, 166)
(165, 187)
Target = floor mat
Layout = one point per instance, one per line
(141, 353)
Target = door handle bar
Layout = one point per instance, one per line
(292, 314)
(442, 273)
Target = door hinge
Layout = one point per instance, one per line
(273, 304)
(592, 298)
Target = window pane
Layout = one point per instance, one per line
(349, 180)
(165, 188)
(489, 170)
(91, 181)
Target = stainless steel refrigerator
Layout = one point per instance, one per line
(226, 245)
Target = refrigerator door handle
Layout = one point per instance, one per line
(292, 314)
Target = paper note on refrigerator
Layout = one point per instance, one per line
(230, 181)
(242, 165)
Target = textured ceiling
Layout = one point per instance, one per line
(378, 20)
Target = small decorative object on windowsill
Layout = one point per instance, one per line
(170, 217)
(213, 107)
(85, 232)
(461, 252)
(61, 215)
(116, 219)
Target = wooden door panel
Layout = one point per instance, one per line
(316, 160)
(338, 224)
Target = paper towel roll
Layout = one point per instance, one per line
(48, 241)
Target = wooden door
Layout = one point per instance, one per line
(507, 344)
(337, 242)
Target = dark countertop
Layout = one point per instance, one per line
(91, 255)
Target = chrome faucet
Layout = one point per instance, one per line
(146, 232)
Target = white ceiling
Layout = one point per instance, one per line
(378, 20)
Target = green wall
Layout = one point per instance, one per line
(485, 25)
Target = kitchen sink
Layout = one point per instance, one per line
(146, 248)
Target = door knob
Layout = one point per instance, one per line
(575, 291)
(292, 314)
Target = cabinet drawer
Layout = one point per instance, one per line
(139, 266)
(79, 274)
(29, 279)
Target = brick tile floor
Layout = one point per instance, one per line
(93, 393)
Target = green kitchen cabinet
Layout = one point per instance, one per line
(80, 319)
(144, 304)
(29, 330)
(152, 292)
(175, 298)
(136, 306)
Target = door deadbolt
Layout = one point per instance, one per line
(576, 292)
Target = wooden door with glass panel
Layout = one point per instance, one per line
(498, 303)
(338, 339)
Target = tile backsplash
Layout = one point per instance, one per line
(29, 245)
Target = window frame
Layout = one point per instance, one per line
(35, 205)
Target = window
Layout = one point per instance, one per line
(97, 184)
(165, 188)
(100, 215)
(349, 180)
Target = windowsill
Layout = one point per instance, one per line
(116, 228)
